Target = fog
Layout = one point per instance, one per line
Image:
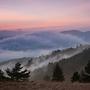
(35, 44)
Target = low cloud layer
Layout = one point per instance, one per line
(37, 43)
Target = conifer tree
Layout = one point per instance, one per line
(17, 73)
(2, 77)
(58, 74)
(85, 74)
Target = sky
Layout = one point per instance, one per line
(44, 13)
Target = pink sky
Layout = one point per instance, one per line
(44, 13)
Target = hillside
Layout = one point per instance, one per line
(70, 65)
(75, 63)
(71, 59)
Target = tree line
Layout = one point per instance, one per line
(18, 73)
(15, 74)
(81, 76)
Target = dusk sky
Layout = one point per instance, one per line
(44, 13)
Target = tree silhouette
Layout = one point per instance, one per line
(85, 74)
(58, 74)
(2, 77)
(17, 73)
(75, 77)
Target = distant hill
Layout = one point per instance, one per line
(4, 34)
(84, 35)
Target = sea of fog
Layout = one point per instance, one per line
(18, 45)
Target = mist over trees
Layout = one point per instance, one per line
(15, 74)
(2, 77)
(54, 72)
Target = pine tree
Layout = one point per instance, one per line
(2, 77)
(75, 77)
(58, 74)
(87, 68)
(17, 73)
(85, 74)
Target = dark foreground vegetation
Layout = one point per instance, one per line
(83, 76)
(15, 74)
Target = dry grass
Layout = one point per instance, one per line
(42, 85)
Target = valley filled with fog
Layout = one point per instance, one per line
(18, 44)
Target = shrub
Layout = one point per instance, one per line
(75, 77)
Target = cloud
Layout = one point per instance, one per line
(14, 16)
(56, 12)
(39, 40)
(37, 43)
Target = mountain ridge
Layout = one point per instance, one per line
(85, 35)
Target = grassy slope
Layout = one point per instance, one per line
(69, 66)
(42, 85)
(75, 63)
